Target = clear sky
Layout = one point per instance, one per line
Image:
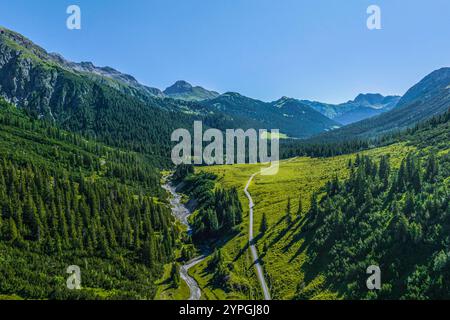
(320, 50)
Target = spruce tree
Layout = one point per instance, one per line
(288, 211)
(264, 224)
(300, 207)
(432, 168)
(175, 275)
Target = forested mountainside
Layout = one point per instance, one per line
(65, 200)
(113, 107)
(219, 210)
(79, 103)
(396, 219)
(427, 99)
(81, 154)
(289, 115)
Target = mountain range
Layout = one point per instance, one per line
(100, 100)
(85, 151)
(428, 98)
(362, 107)
(295, 118)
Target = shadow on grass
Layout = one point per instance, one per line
(247, 246)
(242, 251)
(283, 232)
(297, 232)
(208, 248)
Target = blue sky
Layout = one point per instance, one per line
(320, 50)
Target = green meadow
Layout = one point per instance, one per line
(282, 252)
(165, 289)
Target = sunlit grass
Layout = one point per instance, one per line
(297, 178)
(165, 289)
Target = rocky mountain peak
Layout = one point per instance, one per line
(180, 86)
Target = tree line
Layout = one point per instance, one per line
(396, 219)
(219, 210)
(66, 200)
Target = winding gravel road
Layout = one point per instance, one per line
(259, 270)
(182, 213)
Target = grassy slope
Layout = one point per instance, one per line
(165, 289)
(285, 256)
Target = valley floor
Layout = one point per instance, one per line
(283, 254)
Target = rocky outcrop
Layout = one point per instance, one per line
(51, 87)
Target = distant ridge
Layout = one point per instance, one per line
(362, 107)
(291, 116)
(185, 91)
(428, 98)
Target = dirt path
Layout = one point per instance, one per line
(259, 269)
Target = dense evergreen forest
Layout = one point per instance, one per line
(98, 107)
(398, 220)
(65, 200)
(80, 184)
(217, 216)
(218, 212)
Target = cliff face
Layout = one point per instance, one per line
(39, 86)
(51, 87)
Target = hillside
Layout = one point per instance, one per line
(429, 97)
(289, 115)
(114, 107)
(283, 257)
(362, 107)
(185, 91)
(301, 250)
(65, 200)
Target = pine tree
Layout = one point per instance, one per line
(11, 232)
(409, 204)
(215, 260)
(288, 211)
(300, 207)
(314, 211)
(149, 252)
(264, 225)
(400, 184)
(175, 275)
(432, 169)
(384, 170)
(31, 218)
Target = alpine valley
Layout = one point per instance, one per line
(86, 179)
